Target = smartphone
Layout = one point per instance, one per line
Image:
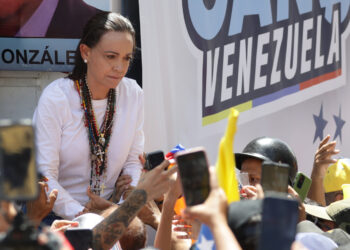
(275, 176)
(18, 174)
(153, 159)
(194, 173)
(279, 222)
(80, 239)
(302, 185)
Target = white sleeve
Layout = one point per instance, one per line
(49, 119)
(133, 166)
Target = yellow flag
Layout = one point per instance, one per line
(225, 165)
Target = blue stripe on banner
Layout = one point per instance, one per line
(275, 95)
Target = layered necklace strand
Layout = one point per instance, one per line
(98, 138)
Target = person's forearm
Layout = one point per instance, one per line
(163, 235)
(316, 191)
(224, 238)
(105, 213)
(110, 230)
(154, 223)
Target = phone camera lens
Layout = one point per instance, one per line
(300, 182)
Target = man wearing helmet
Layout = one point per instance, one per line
(261, 149)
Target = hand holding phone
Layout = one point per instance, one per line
(153, 159)
(194, 173)
(302, 185)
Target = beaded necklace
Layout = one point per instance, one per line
(98, 138)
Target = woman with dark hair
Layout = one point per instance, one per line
(89, 126)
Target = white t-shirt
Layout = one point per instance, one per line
(63, 151)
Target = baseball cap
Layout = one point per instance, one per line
(337, 174)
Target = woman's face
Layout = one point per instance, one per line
(109, 60)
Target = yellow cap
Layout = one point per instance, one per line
(346, 191)
(337, 174)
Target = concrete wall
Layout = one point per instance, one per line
(20, 92)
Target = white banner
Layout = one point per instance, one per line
(283, 65)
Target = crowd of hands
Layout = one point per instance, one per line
(163, 187)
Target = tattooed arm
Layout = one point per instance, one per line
(151, 185)
(109, 231)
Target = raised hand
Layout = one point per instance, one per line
(323, 157)
(213, 212)
(38, 209)
(214, 209)
(157, 181)
(96, 203)
(151, 185)
(150, 214)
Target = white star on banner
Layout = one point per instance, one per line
(205, 244)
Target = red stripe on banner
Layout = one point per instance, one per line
(319, 79)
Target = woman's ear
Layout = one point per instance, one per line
(84, 52)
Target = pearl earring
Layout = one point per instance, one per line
(85, 61)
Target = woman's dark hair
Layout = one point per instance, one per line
(94, 29)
